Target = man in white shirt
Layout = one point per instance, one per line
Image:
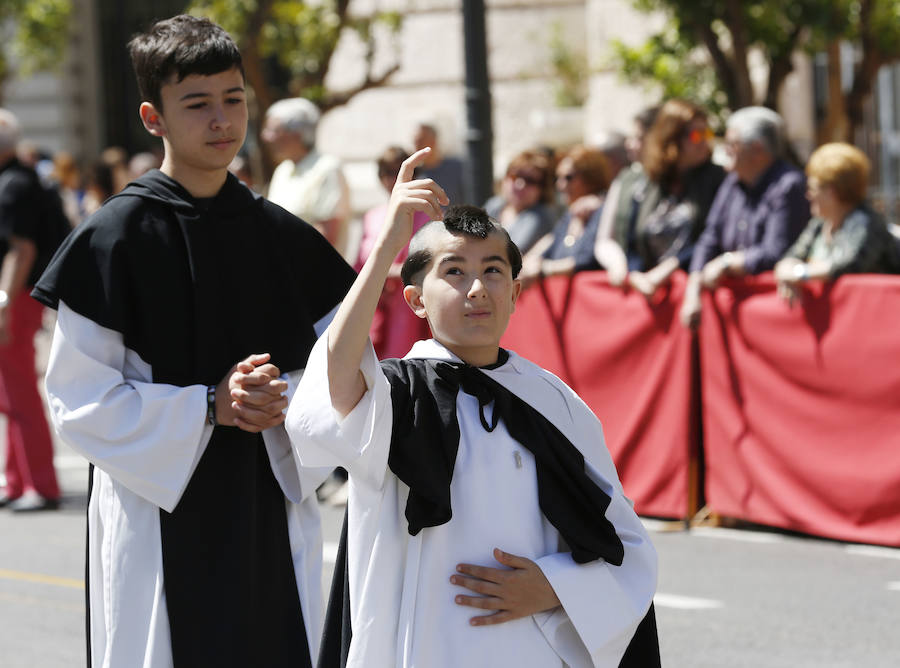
(307, 183)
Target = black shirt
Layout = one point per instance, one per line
(20, 207)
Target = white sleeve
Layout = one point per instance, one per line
(331, 198)
(361, 440)
(601, 604)
(296, 481)
(148, 436)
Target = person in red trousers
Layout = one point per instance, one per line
(26, 243)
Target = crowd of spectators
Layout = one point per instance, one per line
(675, 207)
(639, 206)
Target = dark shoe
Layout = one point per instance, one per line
(30, 503)
(4, 500)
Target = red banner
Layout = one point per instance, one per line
(801, 407)
(630, 360)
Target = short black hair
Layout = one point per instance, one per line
(180, 46)
(471, 221)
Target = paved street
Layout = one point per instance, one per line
(727, 598)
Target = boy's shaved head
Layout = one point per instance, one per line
(470, 221)
(180, 46)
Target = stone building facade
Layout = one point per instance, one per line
(89, 104)
(75, 109)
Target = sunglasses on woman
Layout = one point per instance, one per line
(528, 179)
(699, 136)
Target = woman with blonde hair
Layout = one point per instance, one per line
(654, 234)
(844, 235)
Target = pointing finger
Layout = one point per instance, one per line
(408, 167)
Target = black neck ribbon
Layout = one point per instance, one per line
(425, 441)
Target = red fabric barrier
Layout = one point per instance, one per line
(631, 363)
(801, 407)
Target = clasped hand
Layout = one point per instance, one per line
(251, 395)
(518, 590)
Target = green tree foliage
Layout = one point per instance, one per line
(301, 37)
(703, 52)
(34, 35)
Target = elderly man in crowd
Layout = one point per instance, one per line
(307, 183)
(758, 212)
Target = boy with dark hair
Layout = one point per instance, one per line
(459, 448)
(204, 543)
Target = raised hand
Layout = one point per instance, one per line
(251, 395)
(408, 196)
(517, 590)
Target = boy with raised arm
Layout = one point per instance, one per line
(204, 544)
(486, 523)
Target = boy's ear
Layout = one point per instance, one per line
(152, 120)
(412, 294)
(516, 291)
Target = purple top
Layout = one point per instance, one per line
(762, 220)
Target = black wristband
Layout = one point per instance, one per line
(211, 405)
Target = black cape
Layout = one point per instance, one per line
(423, 398)
(194, 286)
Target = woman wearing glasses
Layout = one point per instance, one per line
(644, 239)
(526, 205)
(582, 177)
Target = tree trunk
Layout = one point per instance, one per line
(864, 73)
(834, 126)
(737, 28)
(256, 79)
(724, 72)
(779, 69)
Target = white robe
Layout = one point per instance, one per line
(401, 601)
(145, 439)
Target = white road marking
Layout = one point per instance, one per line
(69, 463)
(737, 534)
(662, 526)
(893, 586)
(686, 602)
(329, 555)
(873, 551)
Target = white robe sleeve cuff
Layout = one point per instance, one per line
(297, 482)
(360, 440)
(148, 436)
(603, 603)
